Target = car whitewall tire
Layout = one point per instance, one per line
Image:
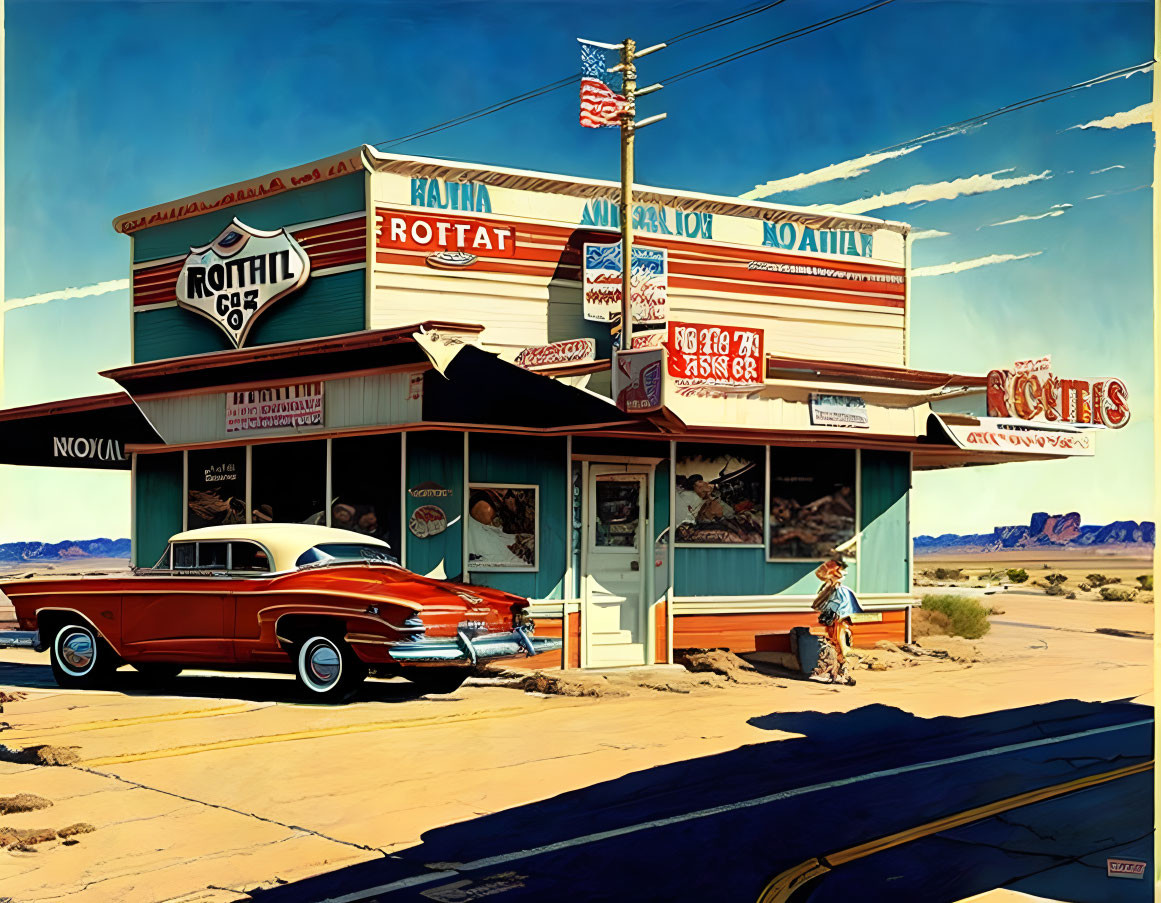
(327, 668)
(79, 657)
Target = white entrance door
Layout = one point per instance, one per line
(615, 528)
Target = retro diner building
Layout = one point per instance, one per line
(420, 349)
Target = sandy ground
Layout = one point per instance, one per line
(1076, 568)
(224, 784)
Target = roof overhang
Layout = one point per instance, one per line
(90, 432)
(351, 352)
(785, 368)
(956, 440)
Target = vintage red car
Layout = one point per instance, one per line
(328, 603)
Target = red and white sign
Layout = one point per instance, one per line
(992, 434)
(1030, 392)
(432, 233)
(572, 351)
(716, 355)
(638, 376)
(1125, 868)
(281, 407)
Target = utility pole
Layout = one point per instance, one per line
(628, 69)
(629, 77)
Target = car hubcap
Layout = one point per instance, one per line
(77, 651)
(324, 665)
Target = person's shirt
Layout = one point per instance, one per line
(491, 544)
(688, 504)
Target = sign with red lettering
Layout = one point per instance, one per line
(281, 407)
(1002, 435)
(716, 355)
(434, 233)
(572, 351)
(1030, 391)
(1126, 868)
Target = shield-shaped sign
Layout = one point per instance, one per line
(239, 275)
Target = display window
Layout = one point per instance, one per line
(288, 483)
(719, 495)
(216, 487)
(365, 490)
(813, 501)
(502, 527)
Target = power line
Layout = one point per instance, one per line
(571, 79)
(780, 39)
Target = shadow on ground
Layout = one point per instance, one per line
(720, 827)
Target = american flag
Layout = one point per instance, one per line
(600, 106)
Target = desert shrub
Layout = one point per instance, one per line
(1101, 579)
(1146, 581)
(969, 619)
(1071, 596)
(1055, 590)
(1056, 579)
(948, 573)
(1084, 587)
(929, 623)
(1017, 575)
(1116, 594)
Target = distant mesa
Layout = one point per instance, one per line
(1045, 531)
(68, 550)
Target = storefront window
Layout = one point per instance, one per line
(216, 491)
(812, 501)
(719, 494)
(288, 483)
(502, 523)
(365, 491)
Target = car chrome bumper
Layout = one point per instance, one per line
(21, 639)
(464, 650)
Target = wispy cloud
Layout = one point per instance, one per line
(1097, 172)
(927, 233)
(943, 269)
(1108, 194)
(1054, 210)
(936, 191)
(848, 169)
(65, 294)
(1135, 116)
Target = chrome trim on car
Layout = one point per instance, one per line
(21, 639)
(463, 650)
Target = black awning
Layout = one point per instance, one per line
(87, 432)
(478, 387)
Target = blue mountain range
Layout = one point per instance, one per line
(1044, 531)
(64, 551)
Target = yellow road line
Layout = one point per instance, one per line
(786, 883)
(336, 731)
(27, 735)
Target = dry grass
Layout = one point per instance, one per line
(22, 802)
(929, 623)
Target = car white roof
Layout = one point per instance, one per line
(284, 541)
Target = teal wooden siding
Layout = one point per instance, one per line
(530, 461)
(722, 571)
(158, 500)
(437, 458)
(884, 552)
(327, 305)
(335, 197)
(660, 524)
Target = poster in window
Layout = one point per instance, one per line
(216, 490)
(812, 501)
(719, 494)
(502, 527)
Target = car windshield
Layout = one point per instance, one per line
(344, 553)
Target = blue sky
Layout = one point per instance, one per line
(112, 106)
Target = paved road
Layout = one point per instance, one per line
(719, 828)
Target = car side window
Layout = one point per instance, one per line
(185, 555)
(248, 557)
(212, 556)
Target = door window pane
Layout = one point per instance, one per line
(217, 487)
(246, 556)
(289, 482)
(719, 492)
(618, 513)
